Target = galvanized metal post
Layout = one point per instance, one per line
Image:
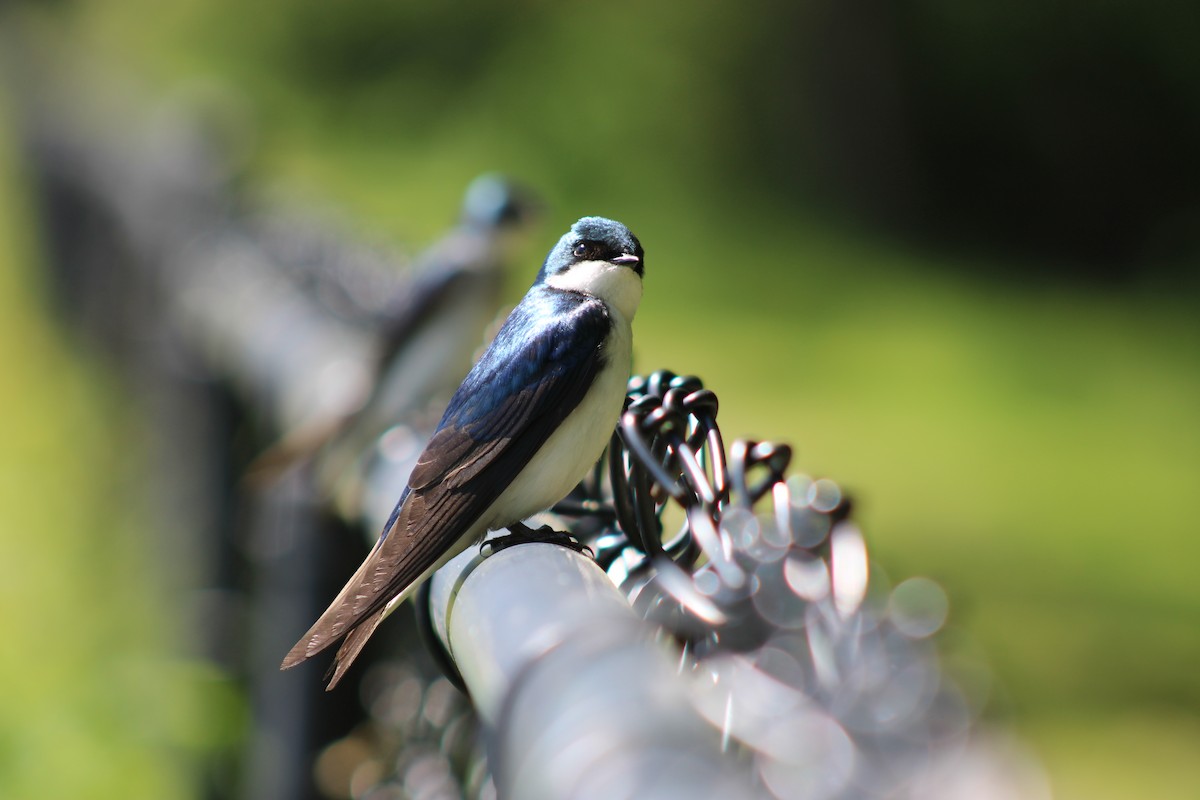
(538, 631)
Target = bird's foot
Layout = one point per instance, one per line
(520, 533)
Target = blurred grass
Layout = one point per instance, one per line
(99, 704)
(1032, 445)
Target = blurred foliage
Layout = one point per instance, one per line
(947, 249)
(1061, 130)
(100, 701)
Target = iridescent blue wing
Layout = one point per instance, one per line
(536, 371)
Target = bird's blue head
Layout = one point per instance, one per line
(593, 239)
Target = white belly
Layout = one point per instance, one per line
(573, 448)
(561, 462)
(565, 458)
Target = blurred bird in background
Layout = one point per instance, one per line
(425, 332)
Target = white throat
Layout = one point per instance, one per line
(619, 287)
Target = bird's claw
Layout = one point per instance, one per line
(520, 533)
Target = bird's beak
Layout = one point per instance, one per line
(626, 258)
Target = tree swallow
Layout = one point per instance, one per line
(531, 417)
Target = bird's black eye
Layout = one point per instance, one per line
(585, 249)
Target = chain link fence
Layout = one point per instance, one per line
(290, 375)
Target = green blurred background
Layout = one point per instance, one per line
(948, 250)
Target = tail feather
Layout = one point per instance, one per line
(331, 627)
(400, 562)
(352, 645)
(352, 631)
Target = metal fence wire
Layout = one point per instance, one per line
(827, 684)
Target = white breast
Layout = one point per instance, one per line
(618, 286)
(573, 448)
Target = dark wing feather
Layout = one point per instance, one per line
(351, 646)
(507, 407)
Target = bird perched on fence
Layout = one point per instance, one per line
(529, 420)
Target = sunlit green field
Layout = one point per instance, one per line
(1033, 447)
(100, 702)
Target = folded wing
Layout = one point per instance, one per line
(533, 375)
